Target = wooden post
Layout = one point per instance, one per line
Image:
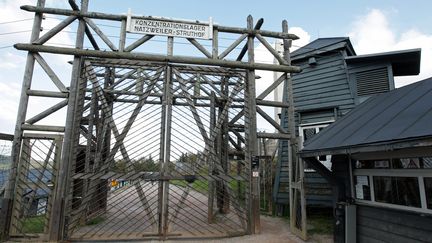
(168, 96)
(56, 224)
(122, 40)
(162, 156)
(296, 170)
(211, 182)
(7, 207)
(251, 128)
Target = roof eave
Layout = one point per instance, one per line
(404, 62)
(372, 147)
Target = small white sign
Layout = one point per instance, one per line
(362, 180)
(255, 173)
(359, 191)
(169, 28)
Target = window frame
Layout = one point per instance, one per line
(315, 125)
(420, 174)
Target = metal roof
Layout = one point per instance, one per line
(322, 45)
(405, 62)
(401, 115)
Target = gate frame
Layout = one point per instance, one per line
(57, 140)
(71, 95)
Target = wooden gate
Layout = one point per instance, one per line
(36, 185)
(149, 138)
(153, 161)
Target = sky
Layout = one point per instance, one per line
(373, 26)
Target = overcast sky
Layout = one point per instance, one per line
(373, 26)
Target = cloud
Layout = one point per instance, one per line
(304, 37)
(9, 103)
(16, 28)
(372, 33)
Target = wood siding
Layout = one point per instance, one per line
(319, 91)
(387, 225)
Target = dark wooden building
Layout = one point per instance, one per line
(381, 167)
(334, 80)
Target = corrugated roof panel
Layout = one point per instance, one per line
(377, 119)
(407, 118)
(399, 114)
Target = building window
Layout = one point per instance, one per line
(362, 188)
(397, 190)
(401, 183)
(307, 131)
(397, 163)
(428, 191)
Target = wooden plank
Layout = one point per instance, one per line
(273, 135)
(156, 58)
(138, 43)
(270, 120)
(167, 146)
(122, 39)
(396, 217)
(43, 128)
(50, 94)
(245, 47)
(232, 46)
(272, 103)
(50, 72)
(200, 47)
(100, 33)
(98, 15)
(8, 137)
(87, 31)
(271, 49)
(192, 106)
(56, 223)
(273, 86)
(384, 232)
(47, 112)
(55, 30)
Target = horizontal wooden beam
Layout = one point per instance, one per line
(272, 103)
(44, 93)
(4, 136)
(97, 15)
(46, 128)
(273, 135)
(157, 58)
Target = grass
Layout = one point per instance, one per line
(202, 186)
(96, 220)
(320, 223)
(4, 166)
(34, 224)
(199, 186)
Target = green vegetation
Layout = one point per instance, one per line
(139, 165)
(199, 186)
(4, 166)
(202, 186)
(96, 220)
(320, 223)
(34, 224)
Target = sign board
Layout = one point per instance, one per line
(255, 162)
(156, 26)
